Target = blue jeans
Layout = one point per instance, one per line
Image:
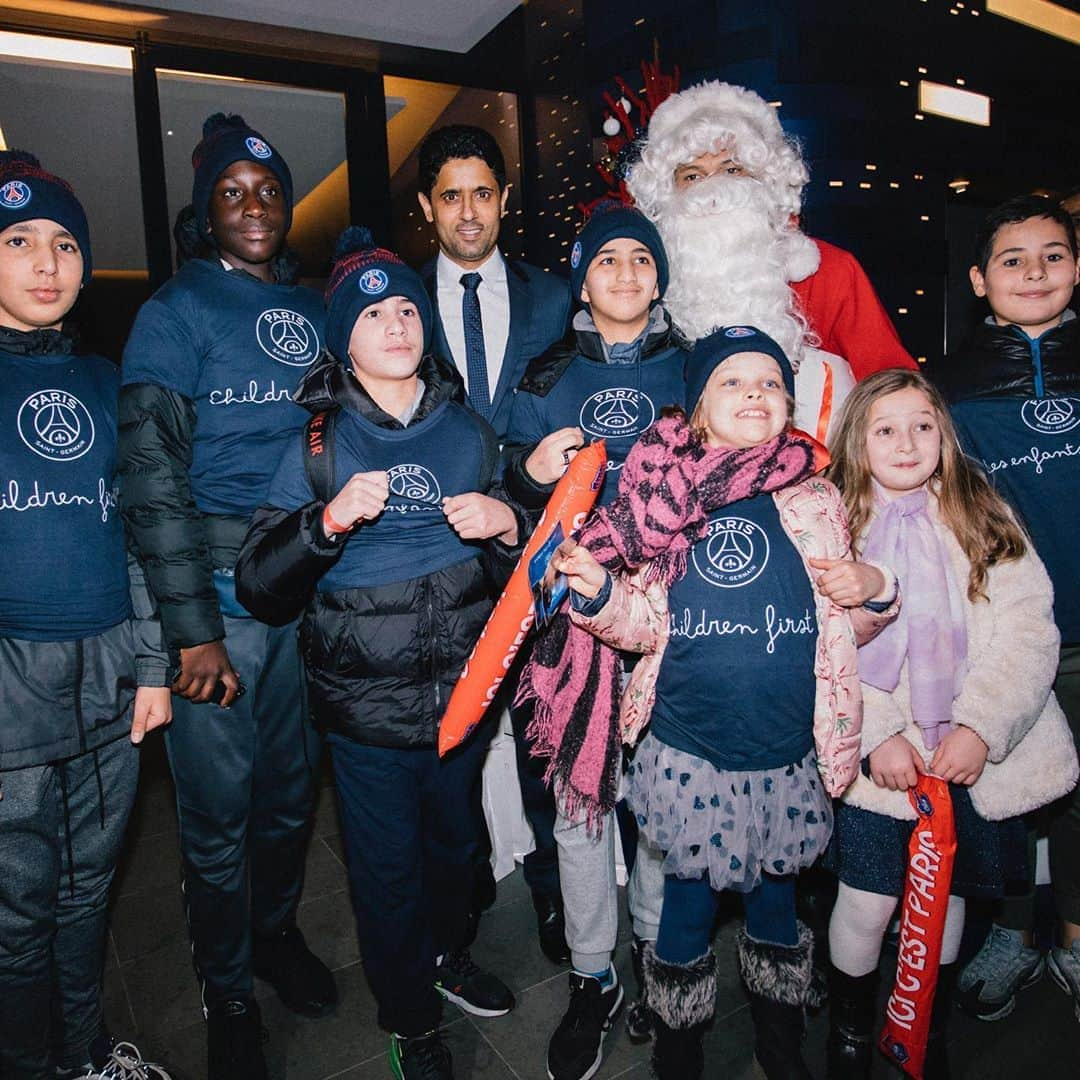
(690, 906)
(409, 843)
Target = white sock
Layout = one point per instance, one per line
(856, 929)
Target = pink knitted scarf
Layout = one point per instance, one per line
(669, 485)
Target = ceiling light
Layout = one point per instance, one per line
(64, 51)
(954, 103)
(1040, 15)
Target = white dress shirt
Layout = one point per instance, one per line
(494, 295)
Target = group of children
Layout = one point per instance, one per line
(759, 657)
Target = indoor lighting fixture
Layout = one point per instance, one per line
(1040, 15)
(3, 141)
(954, 103)
(64, 51)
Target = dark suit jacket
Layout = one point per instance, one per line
(539, 316)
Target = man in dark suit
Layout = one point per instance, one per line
(492, 316)
(522, 309)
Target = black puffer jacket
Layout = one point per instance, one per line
(1000, 361)
(382, 660)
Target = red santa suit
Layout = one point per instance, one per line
(844, 311)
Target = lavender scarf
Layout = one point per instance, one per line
(929, 633)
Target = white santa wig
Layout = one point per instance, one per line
(731, 242)
(694, 122)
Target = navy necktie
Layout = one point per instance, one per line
(475, 355)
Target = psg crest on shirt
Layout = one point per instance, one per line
(287, 336)
(617, 412)
(734, 554)
(56, 425)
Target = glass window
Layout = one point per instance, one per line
(413, 108)
(70, 103)
(306, 126)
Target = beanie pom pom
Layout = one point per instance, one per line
(354, 239)
(219, 122)
(10, 157)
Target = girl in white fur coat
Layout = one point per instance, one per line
(958, 686)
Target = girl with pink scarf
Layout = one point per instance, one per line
(726, 563)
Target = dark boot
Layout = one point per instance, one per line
(682, 998)
(639, 1017)
(852, 1010)
(780, 982)
(937, 1057)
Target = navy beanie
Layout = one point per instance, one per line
(227, 139)
(27, 191)
(611, 220)
(710, 352)
(362, 275)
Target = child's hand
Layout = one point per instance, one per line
(153, 709)
(583, 573)
(960, 757)
(480, 517)
(361, 499)
(896, 764)
(553, 454)
(849, 584)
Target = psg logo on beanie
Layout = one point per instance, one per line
(14, 195)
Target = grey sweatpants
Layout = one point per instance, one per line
(61, 827)
(589, 890)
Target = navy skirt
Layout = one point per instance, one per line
(869, 851)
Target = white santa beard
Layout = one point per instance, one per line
(730, 263)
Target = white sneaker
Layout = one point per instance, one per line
(987, 987)
(1064, 969)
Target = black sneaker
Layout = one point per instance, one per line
(577, 1047)
(478, 992)
(301, 979)
(422, 1057)
(234, 1038)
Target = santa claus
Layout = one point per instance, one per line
(723, 184)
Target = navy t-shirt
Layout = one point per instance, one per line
(736, 683)
(614, 402)
(439, 456)
(236, 347)
(1031, 450)
(63, 564)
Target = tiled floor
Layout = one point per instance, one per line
(152, 996)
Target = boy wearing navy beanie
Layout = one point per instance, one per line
(385, 527)
(67, 633)
(609, 379)
(206, 411)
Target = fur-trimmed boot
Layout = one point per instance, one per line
(780, 982)
(683, 999)
(852, 1009)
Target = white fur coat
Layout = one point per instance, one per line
(1006, 697)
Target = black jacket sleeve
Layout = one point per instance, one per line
(499, 558)
(166, 528)
(520, 486)
(282, 558)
